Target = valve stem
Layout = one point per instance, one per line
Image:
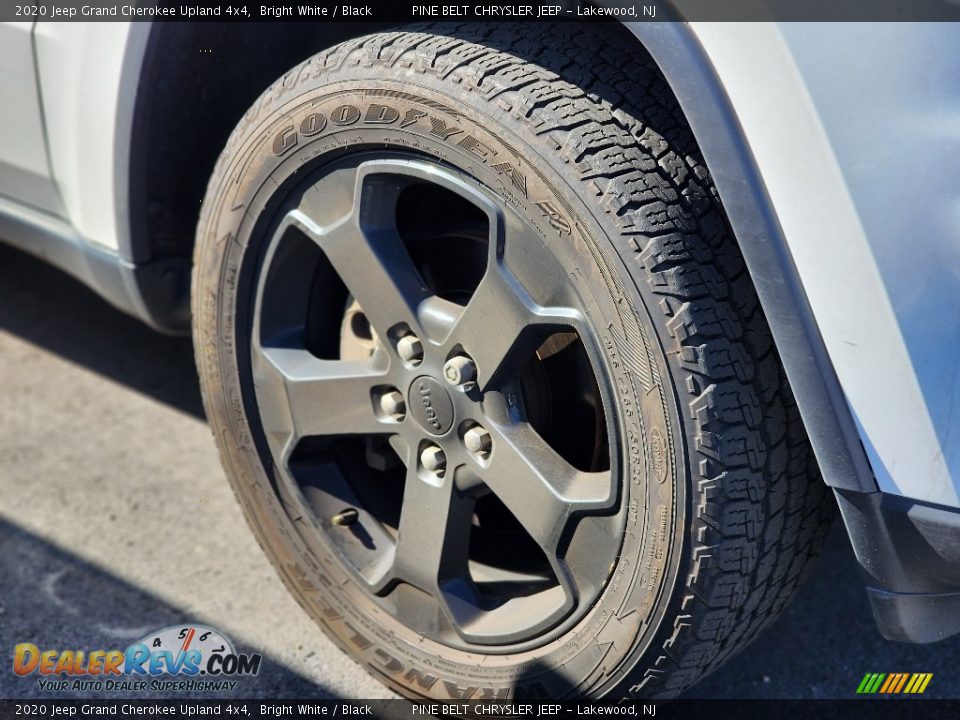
(345, 517)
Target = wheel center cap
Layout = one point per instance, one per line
(429, 402)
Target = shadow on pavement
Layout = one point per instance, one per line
(50, 309)
(55, 600)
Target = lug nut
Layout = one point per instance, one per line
(478, 441)
(460, 370)
(345, 517)
(410, 349)
(393, 405)
(434, 460)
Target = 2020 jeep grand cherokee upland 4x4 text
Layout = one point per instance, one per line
(537, 355)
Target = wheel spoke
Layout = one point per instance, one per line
(303, 396)
(503, 326)
(434, 535)
(368, 254)
(539, 487)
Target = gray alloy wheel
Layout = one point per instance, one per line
(442, 411)
(488, 374)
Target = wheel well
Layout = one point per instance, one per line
(195, 83)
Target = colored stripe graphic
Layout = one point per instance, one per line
(894, 683)
(903, 681)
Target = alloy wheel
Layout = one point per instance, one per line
(431, 391)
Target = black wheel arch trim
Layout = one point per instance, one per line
(823, 406)
(910, 555)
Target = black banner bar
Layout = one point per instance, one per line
(406, 11)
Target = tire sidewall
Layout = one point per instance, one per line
(259, 167)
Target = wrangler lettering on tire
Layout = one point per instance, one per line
(611, 490)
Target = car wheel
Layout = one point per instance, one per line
(487, 371)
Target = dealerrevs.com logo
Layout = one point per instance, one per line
(179, 658)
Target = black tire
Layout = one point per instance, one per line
(721, 498)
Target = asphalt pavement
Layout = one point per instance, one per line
(116, 520)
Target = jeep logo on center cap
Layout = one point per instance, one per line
(429, 403)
